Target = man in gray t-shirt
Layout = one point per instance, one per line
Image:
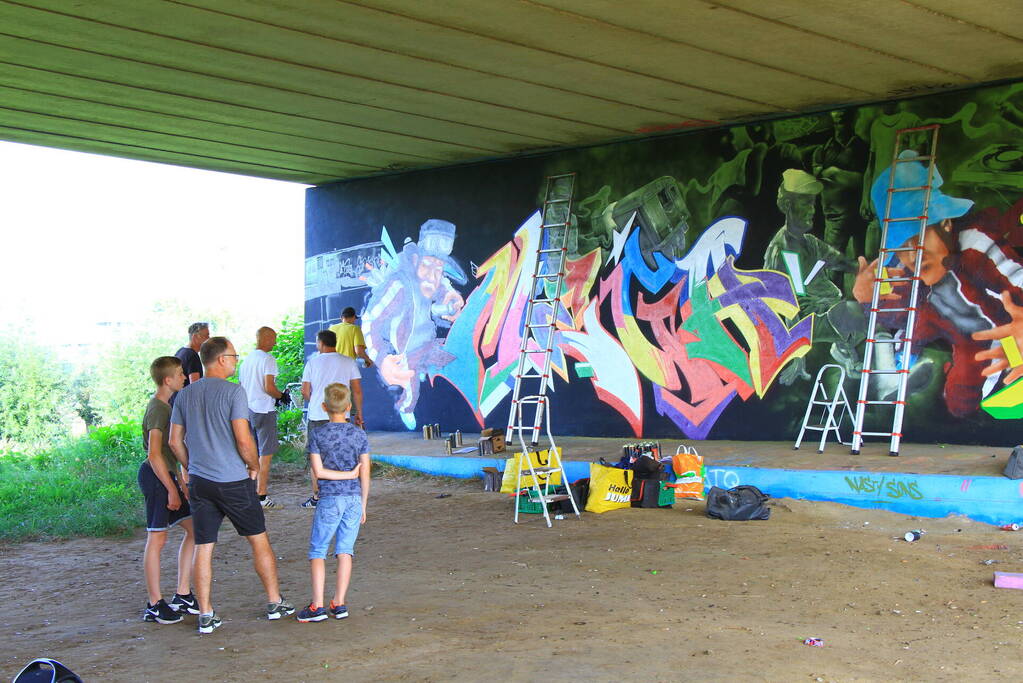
(210, 436)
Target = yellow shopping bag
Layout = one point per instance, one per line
(539, 459)
(610, 488)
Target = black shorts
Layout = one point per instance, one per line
(214, 500)
(158, 517)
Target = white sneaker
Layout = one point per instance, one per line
(268, 503)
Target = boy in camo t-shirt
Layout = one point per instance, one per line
(339, 453)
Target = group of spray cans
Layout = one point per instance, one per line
(633, 451)
(453, 440)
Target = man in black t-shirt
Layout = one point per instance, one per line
(189, 355)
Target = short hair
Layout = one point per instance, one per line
(163, 367)
(337, 398)
(212, 349)
(326, 337)
(196, 328)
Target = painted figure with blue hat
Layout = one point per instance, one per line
(406, 306)
(969, 281)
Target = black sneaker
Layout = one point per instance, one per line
(208, 622)
(276, 610)
(161, 613)
(311, 502)
(338, 611)
(311, 613)
(184, 604)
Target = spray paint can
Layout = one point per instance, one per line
(436, 430)
(1009, 527)
(913, 535)
(427, 432)
(452, 442)
(458, 437)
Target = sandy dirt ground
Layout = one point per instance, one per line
(449, 589)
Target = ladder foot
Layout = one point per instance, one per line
(855, 451)
(894, 454)
(795, 448)
(820, 450)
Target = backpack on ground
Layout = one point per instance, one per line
(46, 670)
(739, 504)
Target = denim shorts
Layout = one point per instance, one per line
(338, 516)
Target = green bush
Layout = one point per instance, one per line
(290, 351)
(85, 487)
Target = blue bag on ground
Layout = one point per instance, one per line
(738, 504)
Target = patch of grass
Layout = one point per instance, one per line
(84, 487)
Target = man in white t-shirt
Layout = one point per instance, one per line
(258, 376)
(327, 367)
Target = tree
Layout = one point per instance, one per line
(290, 350)
(36, 401)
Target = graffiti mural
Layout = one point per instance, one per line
(708, 276)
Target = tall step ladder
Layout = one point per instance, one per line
(923, 140)
(530, 406)
(837, 402)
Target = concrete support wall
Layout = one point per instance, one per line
(710, 275)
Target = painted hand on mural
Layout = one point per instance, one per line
(395, 371)
(863, 287)
(453, 303)
(1012, 330)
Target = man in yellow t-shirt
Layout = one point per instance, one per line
(349, 337)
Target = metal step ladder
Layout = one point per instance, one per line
(828, 420)
(541, 493)
(920, 145)
(530, 404)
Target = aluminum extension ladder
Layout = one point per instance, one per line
(829, 421)
(532, 385)
(882, 280)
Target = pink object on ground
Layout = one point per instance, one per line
(1008, 580)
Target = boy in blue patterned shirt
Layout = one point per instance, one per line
(339, 452)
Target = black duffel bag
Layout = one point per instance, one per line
(738, 504)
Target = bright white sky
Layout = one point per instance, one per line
(89, 238)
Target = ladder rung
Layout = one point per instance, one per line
(923, 157)
(882, 403)
(572, 174)
(547, 275)
(892, 310)
(553, 225)
(916, 188)
(537, 350)
(544, 470)
(885, 372)
(554, 250)
(531, 399)
(550, 499)
(889, 341)
(899, 434)
(543, 301)
(905, 278)
(905, 219)
(892, 250)
(557, 201)
(539, 325)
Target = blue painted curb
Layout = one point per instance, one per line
(993, 500)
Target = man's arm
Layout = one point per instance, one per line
(356, 387)
(246, 445)
(159, 465)
(194, 377)
(364, 468)
(321, 472)
(307, 391)
(270, 386)
(177, 444)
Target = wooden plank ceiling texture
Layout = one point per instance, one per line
(319, 90)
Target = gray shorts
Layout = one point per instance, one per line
(264, 430)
